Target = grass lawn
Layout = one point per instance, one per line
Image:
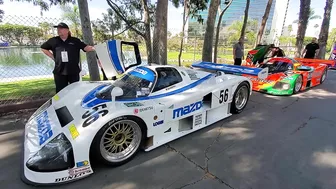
(29, 88)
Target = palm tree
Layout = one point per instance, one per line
(303, 22)
(312, 16)
(72, 14)
(242, 34)
(209, 31)
(323, 37)
(263, 22)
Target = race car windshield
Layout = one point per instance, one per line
(276, 66)
(134, 84)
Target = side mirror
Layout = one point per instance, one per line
(116, 91)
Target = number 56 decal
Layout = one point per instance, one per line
(223, 96)
(92, 115)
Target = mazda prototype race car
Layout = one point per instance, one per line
(145, 108)
(285, 76)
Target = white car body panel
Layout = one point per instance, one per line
(163, 104)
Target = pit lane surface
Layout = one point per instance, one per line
(277, 142)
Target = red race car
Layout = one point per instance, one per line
(287, 76)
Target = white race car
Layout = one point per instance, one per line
(145, 108)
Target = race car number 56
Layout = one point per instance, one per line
(92, 115)
(223, 96)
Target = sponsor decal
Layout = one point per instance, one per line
(158, 123)
(73, 131)
(74, 176)
(187, 109)
(136, 111)
(94, 114)
(143, 72)
(43, 127)
(82, 163)
(133, 104)
(56, 97)
(198, 120)
(145, 109)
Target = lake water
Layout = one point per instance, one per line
(27, 63)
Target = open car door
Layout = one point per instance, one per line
(117, 56)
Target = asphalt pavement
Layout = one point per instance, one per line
(276, 143)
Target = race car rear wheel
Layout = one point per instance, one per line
(240, 98)
(324, 76)
(118, 141)
(298, 84)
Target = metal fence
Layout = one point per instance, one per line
(26, 73)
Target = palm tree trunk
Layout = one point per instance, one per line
(160, 33)
(218, 28)
(209, 31)
(242, 34)
(323, 37)
(263, 22)
(303, 22)
(185, 18)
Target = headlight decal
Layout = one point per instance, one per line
(56, 155)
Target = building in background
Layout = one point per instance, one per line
(235, 12)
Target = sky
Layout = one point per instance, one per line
(97, 7)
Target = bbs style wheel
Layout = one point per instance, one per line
(297, 84)
(240, 98)
(118, 141)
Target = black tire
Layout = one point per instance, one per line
(296, 90)
(98, 153)
(242, 86)
(325, 73)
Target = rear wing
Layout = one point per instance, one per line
(329, 63)
(262, 73)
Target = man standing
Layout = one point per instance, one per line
(238, 52)
(311, 49)
(65, 51)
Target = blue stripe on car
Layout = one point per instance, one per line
(112, 46)
(95, 101)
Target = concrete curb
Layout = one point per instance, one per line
(13, 108)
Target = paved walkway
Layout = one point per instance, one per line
(276, 143)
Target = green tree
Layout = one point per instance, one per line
(312, 16)
(191, 9)
(137, 16)
(6, 32)
(46, 30)
(71, 13)
(233, 31)
(323, 37)
(34, 34)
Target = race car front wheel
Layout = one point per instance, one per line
(240, 98)
(324, 76)
(297, 84)
(118, 141)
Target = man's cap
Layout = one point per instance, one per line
(62, 25)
